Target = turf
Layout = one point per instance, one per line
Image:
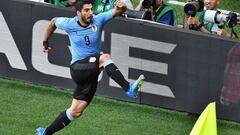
(25, 106)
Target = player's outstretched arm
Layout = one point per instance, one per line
(48, 33)
(119, 9)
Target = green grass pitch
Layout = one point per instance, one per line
(25, 106)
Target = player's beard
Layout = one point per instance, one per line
(87, 20)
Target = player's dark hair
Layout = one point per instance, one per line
(79, 4)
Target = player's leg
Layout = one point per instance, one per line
(83, 95)
(66, 117)
(85, 76)
(113, 72)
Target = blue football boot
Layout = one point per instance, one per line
(40, 131)
(133, 87)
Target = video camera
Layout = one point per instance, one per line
(148, 3)
(138, 14)
(146, 15)
(220, 18)
(194, 6)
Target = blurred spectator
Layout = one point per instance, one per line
(161, 12)
(198, 23)
(63, 3)
(100, 6)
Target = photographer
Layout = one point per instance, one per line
(63, 3)
(160, 12)
(198, 23)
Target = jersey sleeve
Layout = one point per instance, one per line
(62, 23)
(102, 18)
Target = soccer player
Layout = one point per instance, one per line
(84, 31)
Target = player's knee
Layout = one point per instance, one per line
(76, 113)
(105, 57)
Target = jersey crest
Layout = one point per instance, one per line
(94, 28)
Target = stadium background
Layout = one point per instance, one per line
(229, 5)
(20, 45)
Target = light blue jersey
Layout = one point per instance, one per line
(85, 41)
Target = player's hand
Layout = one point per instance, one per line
(46, 47)
(119, 8)
(120, 5)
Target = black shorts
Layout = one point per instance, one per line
(85, 74)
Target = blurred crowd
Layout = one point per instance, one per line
(199, 15)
